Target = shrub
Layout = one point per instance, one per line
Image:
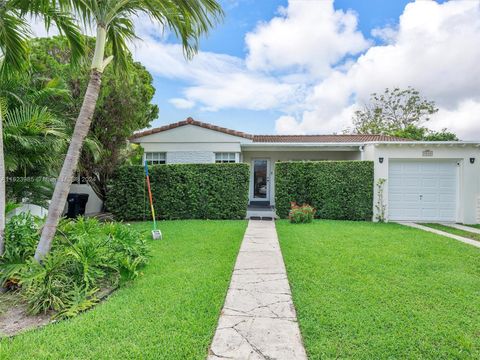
(181, 191)
(340, 190)
(21, 237)
(301, 214)
(86, 256)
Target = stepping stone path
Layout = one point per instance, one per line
(258, 320)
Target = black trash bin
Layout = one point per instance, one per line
(76, 205)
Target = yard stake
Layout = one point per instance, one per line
(156, 234)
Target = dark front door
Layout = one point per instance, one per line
(260, 181)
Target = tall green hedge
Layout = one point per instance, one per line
(337, 189)
(181, 191)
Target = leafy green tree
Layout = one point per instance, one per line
(124, 105)
(422, 133)
(33, 137)
(15, 30)
(14, 33)
(399, 112)
(443, 135)
(113, 22)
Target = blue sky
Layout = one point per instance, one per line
(229, 38)
(304, 66)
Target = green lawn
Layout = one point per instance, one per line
(477, 226)
(382, 291)
(170, 312)
(454, 231)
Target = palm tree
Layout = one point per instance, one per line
(31, 133)
(113, 22)
(14, 35)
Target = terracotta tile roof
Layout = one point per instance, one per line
(190, 121)
(323, 138)
(272, 138)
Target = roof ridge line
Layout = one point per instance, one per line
(191, 121)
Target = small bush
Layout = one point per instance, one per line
(86, 256)
(301, 214)
(21, 237)
(180, 191)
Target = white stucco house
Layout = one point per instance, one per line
(425, 181)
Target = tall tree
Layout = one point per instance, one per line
(113, 21)
(399, 112)
(123, 106)
(14, 32)
(32, 136)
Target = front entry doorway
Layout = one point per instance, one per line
(260, 182)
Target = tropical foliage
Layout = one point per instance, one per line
(15, 30)
(34, 137)
(123, 107)
(113, 22)
(14, 33)
(87, 260)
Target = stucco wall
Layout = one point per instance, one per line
(468, 177)
(94, 204)
(190, 157)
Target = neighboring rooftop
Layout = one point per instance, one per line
(273, 138)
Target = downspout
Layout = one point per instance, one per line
(362, 149)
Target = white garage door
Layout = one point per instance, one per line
(422, 190)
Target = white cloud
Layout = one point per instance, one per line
(311, 35)
(463, 119)
(303, 62)
(180, 103)
(287, 124)
(435, 49)
(217, 81)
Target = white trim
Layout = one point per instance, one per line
(357, 144)
(225, 157)
(459, 143)
(158, 156)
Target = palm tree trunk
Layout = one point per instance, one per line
(2, 189)
(82, 125)
(64, 181)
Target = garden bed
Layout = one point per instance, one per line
(170, 312)
(14, 317)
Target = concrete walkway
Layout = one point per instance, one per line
(463, 227)
(443, 233)
(258, 320)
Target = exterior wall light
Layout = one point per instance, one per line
(380, 160)
(472, 160)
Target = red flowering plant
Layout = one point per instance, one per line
(301, 214)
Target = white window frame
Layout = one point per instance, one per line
(155, 158)
(226, 157)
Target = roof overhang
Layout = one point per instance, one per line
(301, 146)
(350, 146)
(426, 143)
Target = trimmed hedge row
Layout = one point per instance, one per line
(180, 191)
(340, 190)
